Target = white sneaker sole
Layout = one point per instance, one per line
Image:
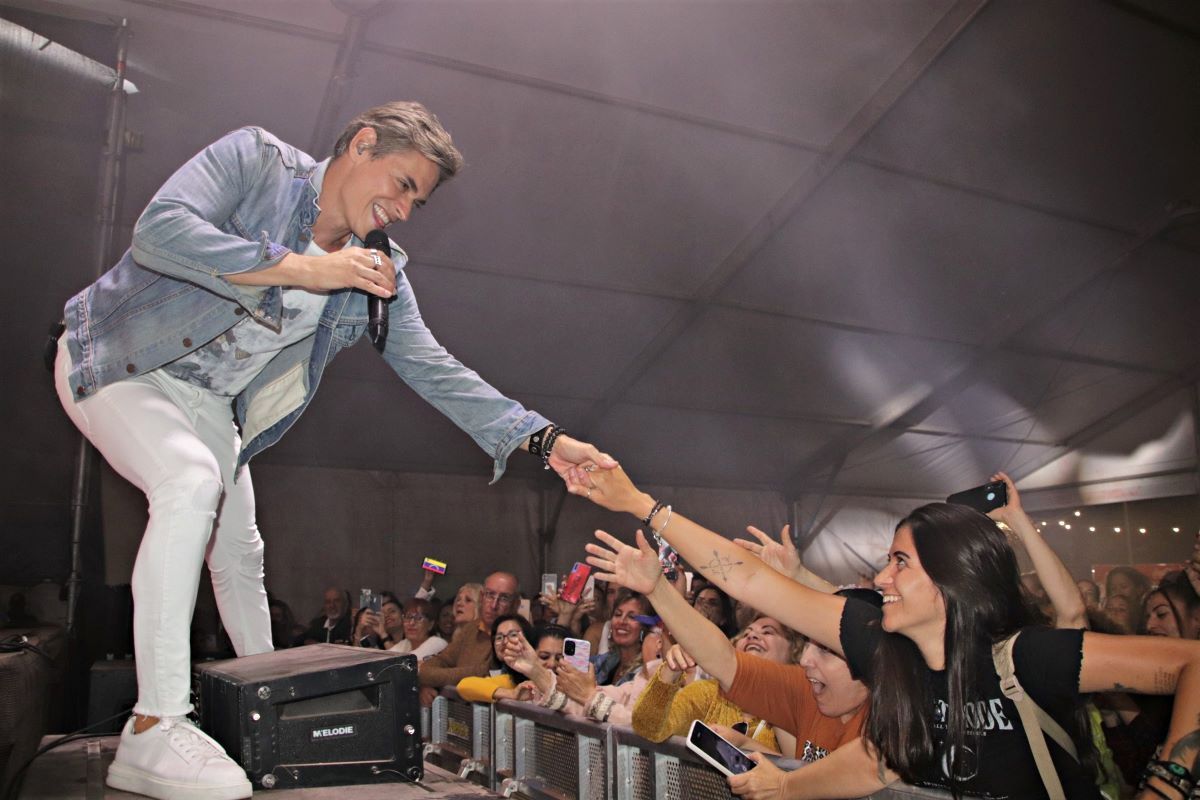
(131, 779)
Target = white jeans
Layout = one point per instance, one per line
(178, 444)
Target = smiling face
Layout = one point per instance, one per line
(837, 694)
(392, 620)
(510, 629)
(374, 192)
(764, 637)
(417, 624)
(627, 631)
(912, 603)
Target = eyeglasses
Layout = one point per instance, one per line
(414, 617)
(492, 597)
(511, 636)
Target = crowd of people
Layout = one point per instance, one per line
(789, 664)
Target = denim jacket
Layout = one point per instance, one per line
(240, 205)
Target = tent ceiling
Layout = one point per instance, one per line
(864, 246)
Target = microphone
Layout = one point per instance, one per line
(377, 310)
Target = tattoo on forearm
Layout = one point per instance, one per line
(722, 565)
(1186, 750)
(1164, 681)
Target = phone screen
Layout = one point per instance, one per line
(718, 752)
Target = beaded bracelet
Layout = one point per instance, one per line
(658, 506)
(1174, 775)
(548, 446)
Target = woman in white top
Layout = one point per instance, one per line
(419, 638)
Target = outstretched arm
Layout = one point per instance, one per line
(1069, 610)
(637, 568)
(1151, 665)
(849, 771)
(737, 572)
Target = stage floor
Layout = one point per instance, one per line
(75, 771)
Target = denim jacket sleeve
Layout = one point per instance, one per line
(191, 230)
(497, 424)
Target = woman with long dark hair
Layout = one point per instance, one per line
(938, 716)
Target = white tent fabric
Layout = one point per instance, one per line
(839, 253)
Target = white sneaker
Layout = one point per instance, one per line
(175, 760)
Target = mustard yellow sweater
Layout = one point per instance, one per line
(480, 690)
(665, 709)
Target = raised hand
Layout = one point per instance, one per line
(781, 556)
(1011, 513)
(635, 568)
(561, 609)
(675, 663)
(520, 655)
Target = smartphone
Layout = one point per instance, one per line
(984, 498)
(371, 600)
(549, 583)
(572, 588)
(577, 653)
(433, 565)
(669, 560)
(709, 745)
(589, 588)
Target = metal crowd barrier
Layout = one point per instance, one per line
(522, 750)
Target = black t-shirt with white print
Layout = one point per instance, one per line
(999, 764)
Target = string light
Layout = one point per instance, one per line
(1116, 530)
(1092, 528)
(1175, 530)
(1068, 527)
(1141, 530)
(1062, 522)
(1079, 513)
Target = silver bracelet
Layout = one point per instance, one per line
(658, 533)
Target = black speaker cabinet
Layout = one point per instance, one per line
(321, 715)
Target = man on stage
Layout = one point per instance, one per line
(246, 275)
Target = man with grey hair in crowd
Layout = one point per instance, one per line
(248, 272)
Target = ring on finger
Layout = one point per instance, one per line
(375, 257)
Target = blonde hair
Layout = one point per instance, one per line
(475, 589)
(402, 126)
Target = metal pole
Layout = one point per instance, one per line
(106, 221)
(344, 65)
